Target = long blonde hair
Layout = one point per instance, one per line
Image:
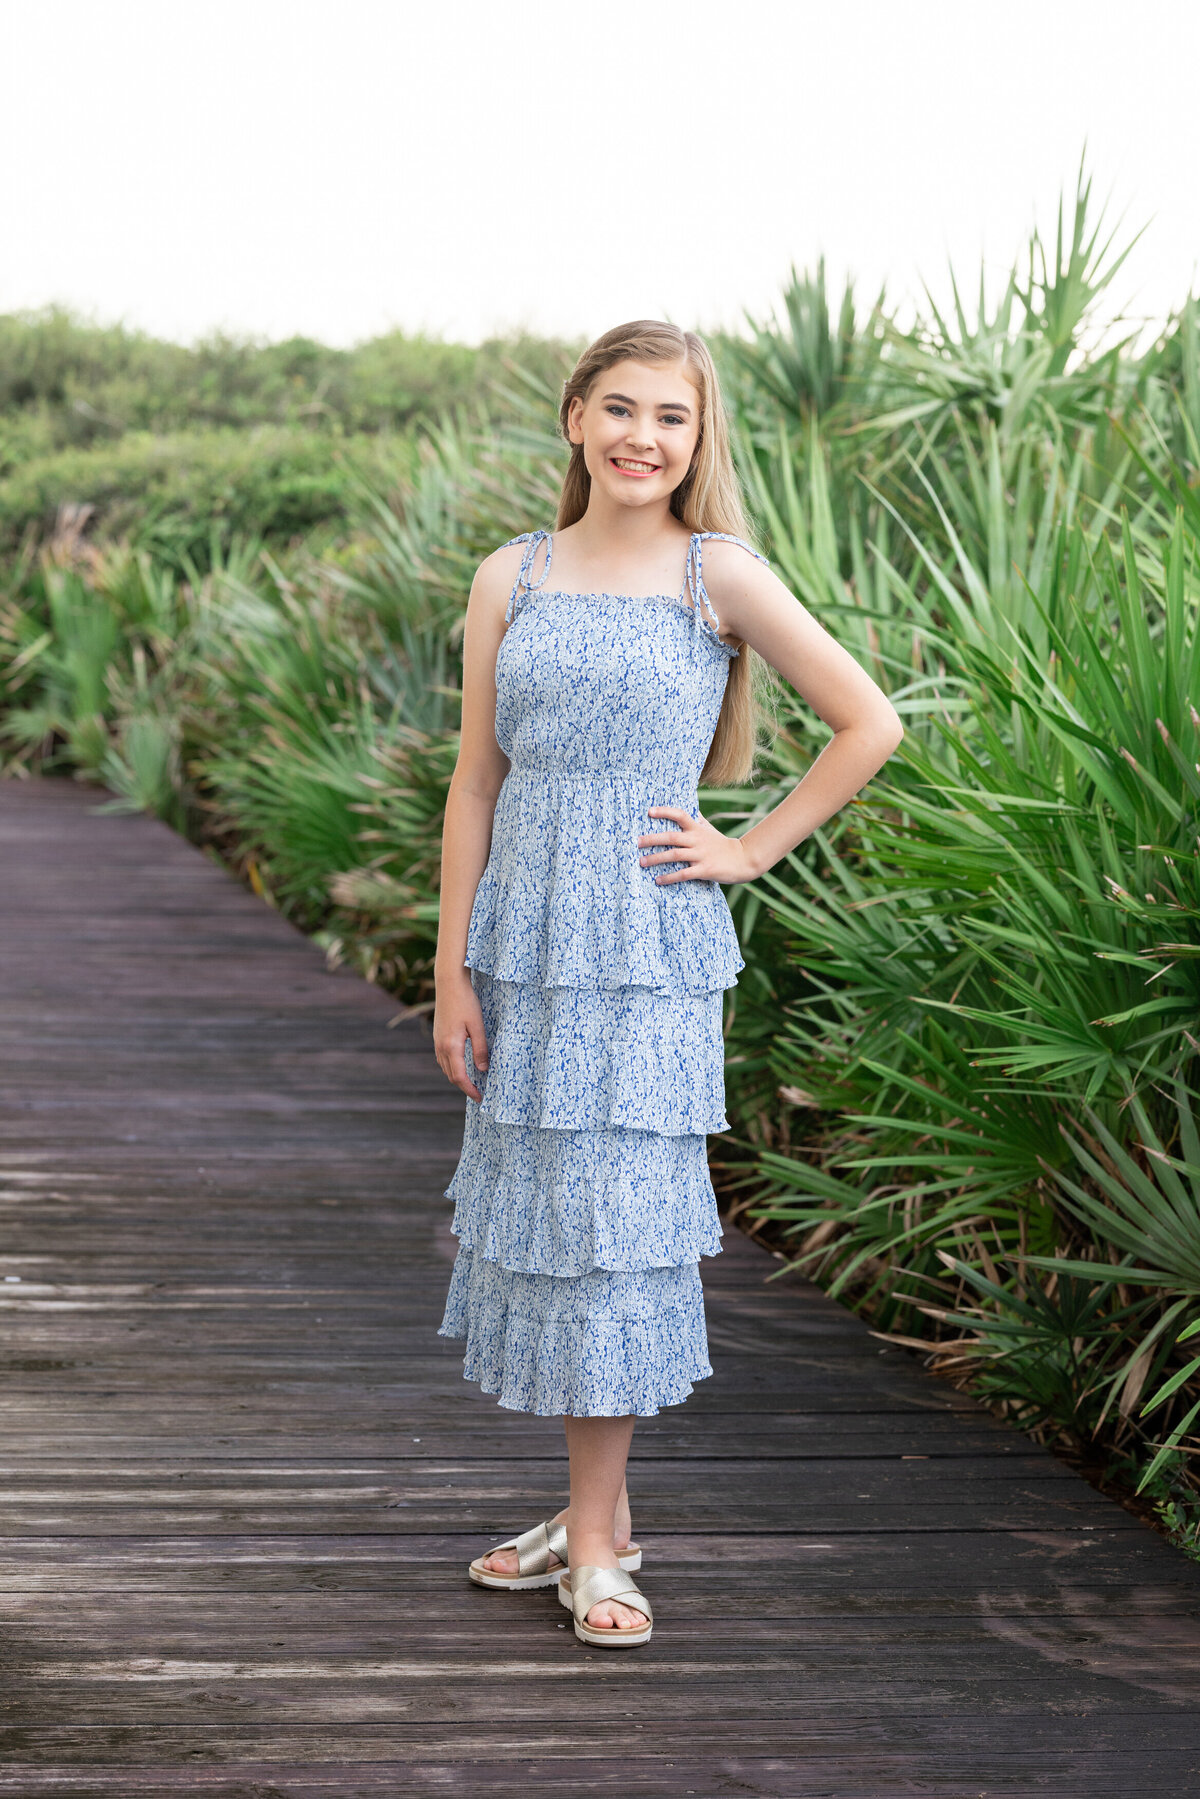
(709, 498)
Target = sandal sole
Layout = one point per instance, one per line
(613, 1639)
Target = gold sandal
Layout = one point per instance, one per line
(534, 1549)
(582, 1588)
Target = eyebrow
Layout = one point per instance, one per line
(664, 406)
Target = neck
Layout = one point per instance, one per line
(613, 529)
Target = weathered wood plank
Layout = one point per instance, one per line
(473, 1761)
(330, 1433)
(168, 1692)
(229, 1567)
(858, 1572)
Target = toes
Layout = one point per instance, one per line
(609, 1616)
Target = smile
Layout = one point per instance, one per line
(633, 468)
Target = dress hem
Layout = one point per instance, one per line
(538, 1411)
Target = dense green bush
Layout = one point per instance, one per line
(65, 383)
(180, 447)
(176, 492)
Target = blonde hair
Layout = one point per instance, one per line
(709, 498)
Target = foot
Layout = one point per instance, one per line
(504, 1561)
(606, 1614)
(612, 1614)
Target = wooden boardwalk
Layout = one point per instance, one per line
(242, 1475)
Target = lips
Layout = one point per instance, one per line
(628, 466)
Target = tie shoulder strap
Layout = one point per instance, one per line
(533, 541)
(694, 580)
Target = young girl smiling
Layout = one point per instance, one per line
(585, 941)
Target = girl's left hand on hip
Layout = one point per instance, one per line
(709, 854)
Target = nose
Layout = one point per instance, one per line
(639, 439)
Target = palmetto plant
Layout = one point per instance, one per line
(1007, 930)
(805, 363)
(999, 939)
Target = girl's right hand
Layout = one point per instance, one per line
(457, 1016)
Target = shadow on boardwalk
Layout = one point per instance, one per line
(243, 1475)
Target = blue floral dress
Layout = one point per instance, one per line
(582, 1197)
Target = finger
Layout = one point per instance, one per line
(463, 1080)
(667, 846)
(453, 1065)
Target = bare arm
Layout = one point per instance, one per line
(470, 811)
(754, 606)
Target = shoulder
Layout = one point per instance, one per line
(740, 583)
(732, 566)
(503, 562)
(496, 575)
(732, 553)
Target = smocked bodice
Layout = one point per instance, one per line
(606, 684)
(601, 685)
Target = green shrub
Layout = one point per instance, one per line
(67, 383)
(175, 492)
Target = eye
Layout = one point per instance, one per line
(673, 419)
(616, 407)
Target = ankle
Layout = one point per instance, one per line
(590, 1547)
(622, 1530)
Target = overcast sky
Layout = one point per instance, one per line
(273, 166)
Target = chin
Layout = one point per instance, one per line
(626, 489)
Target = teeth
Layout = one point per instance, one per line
(624, 462)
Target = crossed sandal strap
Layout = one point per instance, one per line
(534, 1548)
(590, 1586)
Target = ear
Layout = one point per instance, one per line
(574, 410)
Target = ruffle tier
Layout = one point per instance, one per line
(564, 902)
(567, 1202)
(580, 1059)
(597, 1345)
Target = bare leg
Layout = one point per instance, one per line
(504, 1561)
(599, 1450)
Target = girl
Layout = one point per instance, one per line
(585, 942)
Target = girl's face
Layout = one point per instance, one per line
(639, 427)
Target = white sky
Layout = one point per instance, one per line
(275, 166)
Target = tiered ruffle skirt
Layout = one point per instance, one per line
(582, 1198)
